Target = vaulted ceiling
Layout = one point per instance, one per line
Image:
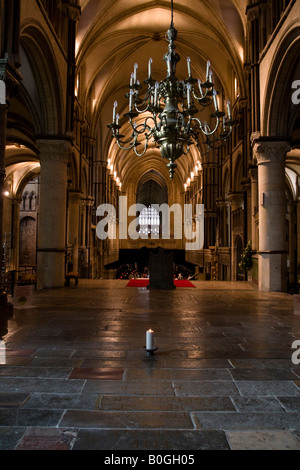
(113, 35)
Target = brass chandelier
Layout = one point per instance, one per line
(170, 110)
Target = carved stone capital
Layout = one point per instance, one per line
(75, 197)
(253, 173)
(54, 150)
(220, 203)
(10, 76)
(252, 12)
(87, 201)
(72, 10)
(267, 151)
(236, 198)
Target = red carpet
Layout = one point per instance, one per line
(183, 283)
(138, 283)
(145, 282)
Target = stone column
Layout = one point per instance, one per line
(5, 307)
(270, 155)
(54, 155)
(10, 80)
(253, 174)
(73, 228)
(298, 241)
(16, 232)
(236, 201)
(2, 177)
(209, 175)
(221, 224)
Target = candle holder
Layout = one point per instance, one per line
(150, 346)
(150, 352)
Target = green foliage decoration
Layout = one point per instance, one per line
(246, 259)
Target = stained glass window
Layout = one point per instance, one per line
(149, 221)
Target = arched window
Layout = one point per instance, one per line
(149, 221)
(25, 202)
(32, 201)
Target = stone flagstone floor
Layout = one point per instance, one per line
(74, 374)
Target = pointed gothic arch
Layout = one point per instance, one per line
(46, 97)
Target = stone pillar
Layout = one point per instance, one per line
(2, 177)
(253, 173)
(6, 308)
(73, 226)
(270, 155)
(209, 175)
(236, 201)
(15, 232)
(298, 242)
(54, 155)
(221, 225)
(10, 80)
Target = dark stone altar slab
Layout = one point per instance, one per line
(161, 270)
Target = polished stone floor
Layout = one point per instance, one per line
(75, 375)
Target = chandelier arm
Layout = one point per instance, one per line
(144, 151)
(149, 98)
(125, 142)
(133, 141)
(224, 136)
(144, 110)
(145, 126)
(141, 111)
(144, 101)
(202, 127)
(121, 145)
(204, 97)
(210, 132)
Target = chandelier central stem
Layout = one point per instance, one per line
(171, 57)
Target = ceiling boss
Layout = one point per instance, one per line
(170, 107)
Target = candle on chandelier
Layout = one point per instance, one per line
(188, 95)
(132, 79)
(189, 66)
(130, 100)
(215, 100)
(114, 111)
(207, 70)
(228, 109)
(135, 72)
(200, 88)
(156, 93)
(149, 340)
(150, 68)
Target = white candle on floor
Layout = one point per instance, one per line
(149, 340)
